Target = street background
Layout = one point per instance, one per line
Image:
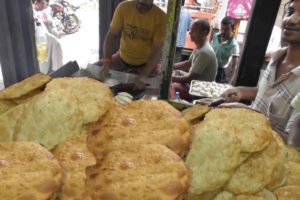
(83, 46)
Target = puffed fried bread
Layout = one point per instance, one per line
(28, 171)
(253, 128)
(149, 171)
(141, 122)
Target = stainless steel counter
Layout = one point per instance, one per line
(117, 77)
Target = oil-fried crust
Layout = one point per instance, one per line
(140, 122)
(28, 171)
(49, 119)
(26, 86)
(149, 171)
(213, 156)
(251, 127)
(93, 97)
(74, 157)
(195, 113)
(288, 193)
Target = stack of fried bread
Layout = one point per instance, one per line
(235, 155)
(138, 148)
(140, 122)
(49, 116)
(144, 171)
(28, 171)
(74, 157)
(66, 139)
(53, 113)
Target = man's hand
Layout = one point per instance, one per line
(232, 95)
(237, 94)
(140, 83)
(104, 72)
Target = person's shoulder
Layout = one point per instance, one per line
(158, 11)
(206, 51)
(126, 4)
(206, 48)
(277, 55)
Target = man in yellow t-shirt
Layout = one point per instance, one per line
(142, 28)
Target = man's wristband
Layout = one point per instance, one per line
(106, 61)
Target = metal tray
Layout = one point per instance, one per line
(207, 89)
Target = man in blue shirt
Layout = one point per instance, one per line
(184, 25)
(227, 51)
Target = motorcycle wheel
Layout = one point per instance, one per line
(71, 24)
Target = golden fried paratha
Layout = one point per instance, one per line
(293, 154)
(243, 157)
(280, 173)
(195, 113)
(28, 97)
(203, 196)
(74, 158)
(294, 174)
(213, 156)
(8, 122)
(28, 171)
(93, 97)
(5, 105)
(263, 195)
(288, 193)
(49, 119)
(249, 197)
(252, 128)
(256, 172)
(138, 172)
(268, 195)
(26, 86)
(224, 195)
(140, 122)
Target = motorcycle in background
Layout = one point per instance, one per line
(63, 17)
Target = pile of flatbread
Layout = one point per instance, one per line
(138, 147)
(67, 139)
(235, 155)
(48, 111)
(40, 115)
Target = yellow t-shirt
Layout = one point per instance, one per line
(139, 31)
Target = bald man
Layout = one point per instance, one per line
(202, 64)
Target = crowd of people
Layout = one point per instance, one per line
(141, 25)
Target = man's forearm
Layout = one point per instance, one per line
(181, 79)
(248, 93)
(109, 44)
(152, 61)
(184, 65)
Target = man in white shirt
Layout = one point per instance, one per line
(279, 84)
(202, 64)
